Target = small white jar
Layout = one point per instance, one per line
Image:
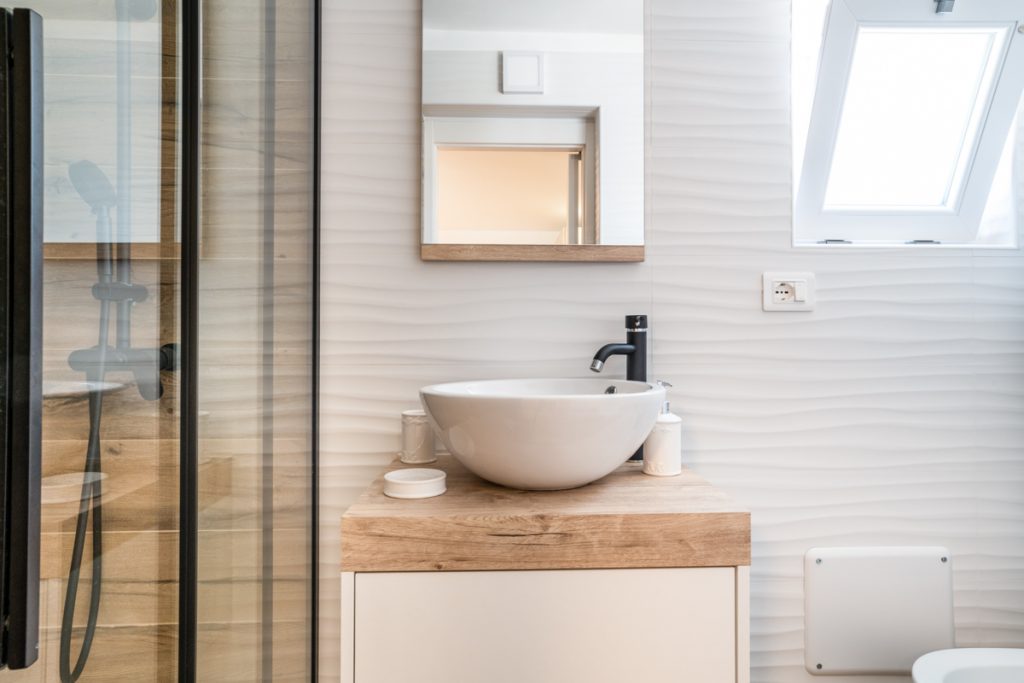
(417, 438)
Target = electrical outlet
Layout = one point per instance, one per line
(783, 292)
(788, 292)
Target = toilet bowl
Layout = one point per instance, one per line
(970, 665)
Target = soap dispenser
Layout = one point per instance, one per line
(663, 455)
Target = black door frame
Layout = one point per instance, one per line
(188, 511)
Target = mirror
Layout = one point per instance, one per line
(533, 130)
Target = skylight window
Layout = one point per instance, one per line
(911, 115)
(914, 101)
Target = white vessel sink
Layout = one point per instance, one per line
(542, 434)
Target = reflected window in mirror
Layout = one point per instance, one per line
(510, 180)
(511, 195)
(906, 122)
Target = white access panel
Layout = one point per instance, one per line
(874, 610)
(586, 626)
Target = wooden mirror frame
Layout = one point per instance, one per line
(568, 253)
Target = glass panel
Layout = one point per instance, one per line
(255, 342)
(506, 196)
(110, 408)
(111, 319)
(911, 116)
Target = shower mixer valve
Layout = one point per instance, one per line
(119, 291)
(145, 364)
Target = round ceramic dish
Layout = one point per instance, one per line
(414, 482)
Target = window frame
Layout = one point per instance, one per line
(812, 223)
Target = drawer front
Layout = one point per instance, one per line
(586, 626)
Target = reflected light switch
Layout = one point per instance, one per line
(522, 72)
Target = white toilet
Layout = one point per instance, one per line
(889, 610)
(970, 665)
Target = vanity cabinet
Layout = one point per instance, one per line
(632, 578)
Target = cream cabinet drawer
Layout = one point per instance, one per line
(567, 626)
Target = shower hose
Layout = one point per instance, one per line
(90, 504)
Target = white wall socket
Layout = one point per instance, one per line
(788, 292)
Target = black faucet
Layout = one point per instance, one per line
(635, 351)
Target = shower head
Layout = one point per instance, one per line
(92, 185)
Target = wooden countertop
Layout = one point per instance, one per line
(625, 520)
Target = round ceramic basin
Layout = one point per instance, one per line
(542, 434)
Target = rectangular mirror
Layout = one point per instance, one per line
(533, 130)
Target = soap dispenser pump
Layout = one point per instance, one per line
(663, 455)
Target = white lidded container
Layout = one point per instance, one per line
(415, 482)
(663, 456)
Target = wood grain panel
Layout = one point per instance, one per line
(119, 653)
(624, 520)
(532, 252)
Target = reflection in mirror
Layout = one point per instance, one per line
(533, 127)
(478, 187)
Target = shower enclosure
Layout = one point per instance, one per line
(177, 263)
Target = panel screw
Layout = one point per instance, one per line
(1020, 29)
(945, 559)
(818, 667)
(818, 561)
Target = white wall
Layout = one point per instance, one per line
(893, 414)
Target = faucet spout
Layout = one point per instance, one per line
(609, 350)
(635, 351)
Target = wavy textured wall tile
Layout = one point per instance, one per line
(894, 414)
(735, 20)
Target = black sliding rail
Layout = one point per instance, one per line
(314, 649)
(21, 283)
(188, 527)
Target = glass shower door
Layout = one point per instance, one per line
(255, 342)
(111, 457)
(109, 495)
